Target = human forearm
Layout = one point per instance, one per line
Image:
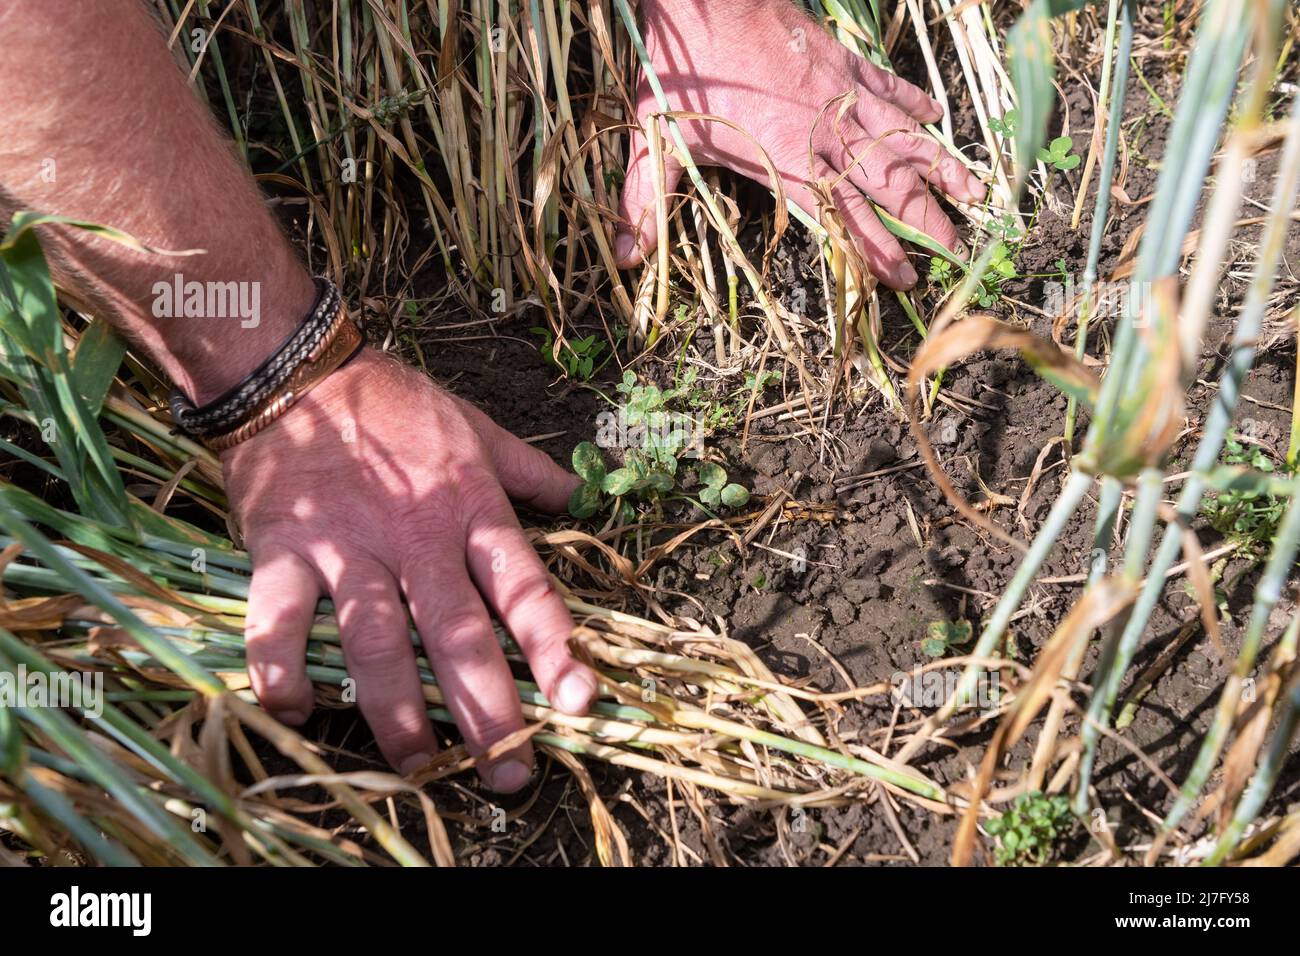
(89, 90)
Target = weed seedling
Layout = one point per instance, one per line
(649, 475)
(716, 490)
(944, 636)
(1058, 155)
(1007, 124)
(1028, 832)
(941, 273)
(1001, 268)
(713, 411)
(577, 359)
(1246, 516)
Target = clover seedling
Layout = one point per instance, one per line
(638, 476)
(1004, 226)
(1002, 263)
(944, 636)
(1247, 515)
(716, 490)
(1007, 124)
(1001, 267)
(1058, 156)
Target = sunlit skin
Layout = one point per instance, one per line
(380, 485)
(769, 69)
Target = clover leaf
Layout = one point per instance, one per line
(734, 495)
(1058, 154)
(585, 501)
(716, 490)
(589, 465)
(619, 482)
(1007, 125)
(942, 636)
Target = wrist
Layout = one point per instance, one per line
(212, 359)
(327, 414)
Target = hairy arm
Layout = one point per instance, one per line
(377, 488)
(100, 125)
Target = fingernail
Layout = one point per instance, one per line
(509, 776)
(575, 692)
(292, 718)
(937, 107)
(907, 275)
(624, 243)
(411, 764)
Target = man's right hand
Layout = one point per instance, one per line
(379, 484)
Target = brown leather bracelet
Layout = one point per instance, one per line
(341, 342)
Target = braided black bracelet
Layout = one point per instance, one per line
(237, 405)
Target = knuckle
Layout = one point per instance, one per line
(427, 530)
(528, 589)
(532, 467)
(886, 261)
(266, 630)
(908, 145)
(493, 724)
(875, 165)
(899, 177)
(949, 169)
(376, 651)
(401, 734)
(497, 728)
(932, 169)
(464, 635)
(905, 131)
(266, 532)
(480, 499)
(274, 687)
(938, 226)
(429, 523)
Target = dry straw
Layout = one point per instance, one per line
(486, 140)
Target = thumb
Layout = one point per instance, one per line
(638, 232)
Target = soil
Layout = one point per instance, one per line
(894, 558)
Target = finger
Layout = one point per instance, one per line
(528, 474)
(462, 648)
(281, 606)
(897, 132)
(380, 659)
(638, 233)
(894, 185)
(907, 97)
(515, 582)
(882, 253)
